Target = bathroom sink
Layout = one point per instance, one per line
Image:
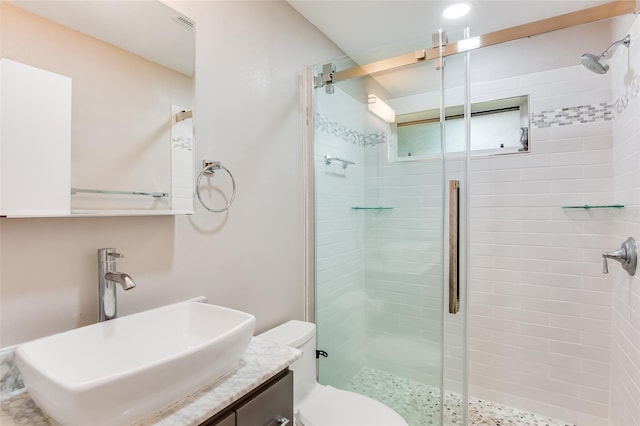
(120, 371)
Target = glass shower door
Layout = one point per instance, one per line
(380, 196)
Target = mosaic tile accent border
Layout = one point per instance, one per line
(573, 115)
(630, 93)
(604, 111)
(341, 131)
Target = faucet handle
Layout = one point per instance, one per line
(115, 254)
(627, 255)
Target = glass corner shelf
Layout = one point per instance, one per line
(587, 206)
(371, 208)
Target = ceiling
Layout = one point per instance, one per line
(383, 28)
(372, 30)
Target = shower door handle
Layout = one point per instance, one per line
(454, 239)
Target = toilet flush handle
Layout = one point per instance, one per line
(282, 421)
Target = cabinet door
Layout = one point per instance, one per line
(272, 407)
(35, 142)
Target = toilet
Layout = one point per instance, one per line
(319, 405)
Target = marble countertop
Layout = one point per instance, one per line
(262, 360)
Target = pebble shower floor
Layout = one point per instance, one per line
(419, 403)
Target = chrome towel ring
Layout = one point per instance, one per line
(210, 168)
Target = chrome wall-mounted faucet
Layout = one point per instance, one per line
(108, 276)
(627, 255)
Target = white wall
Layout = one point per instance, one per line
(249, 58)
(625, 353)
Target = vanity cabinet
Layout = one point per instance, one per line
(270, 405)
(228, 420)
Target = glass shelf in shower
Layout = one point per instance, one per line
(370, 208)
(587, 206)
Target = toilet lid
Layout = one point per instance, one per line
(328, 406)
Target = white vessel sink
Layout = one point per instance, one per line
(121, 371)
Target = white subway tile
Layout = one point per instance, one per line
(596, 367)
(554, 102)
(516, 264)
(588, 407)
(553, 173)
(597, 339)
(495, 299)
(597, 170)
(551, 359)
(581, 158)
(600, 396)
(582, 130)
(549, 332)
(575, 268)
(523, 239)
(492, 176)
(522, 161)
(495, 275)
(551, 200)
(549, 279)
(549, 385)
(600, 142)
(519, 289)
(521, 315)
(520, 213)
(580, 351)
(552, 306)
(516, 188)
(583, 185)
(493, 348)
(580, 323)
(551, 253)
(559, 145)
(596, 312)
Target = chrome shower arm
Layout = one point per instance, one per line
(609, 50)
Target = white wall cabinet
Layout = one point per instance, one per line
(35, 151)
(35, 141)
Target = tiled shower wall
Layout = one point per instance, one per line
(542, 313)
(540, 308)
(625, 350)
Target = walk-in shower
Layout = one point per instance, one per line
(593, 62)
(469, 174)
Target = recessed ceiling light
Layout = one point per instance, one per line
(456, 11)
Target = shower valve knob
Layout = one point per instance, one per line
(627, 255)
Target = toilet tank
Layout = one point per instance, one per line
(300, 335)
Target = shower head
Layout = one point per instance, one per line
(592, 62)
